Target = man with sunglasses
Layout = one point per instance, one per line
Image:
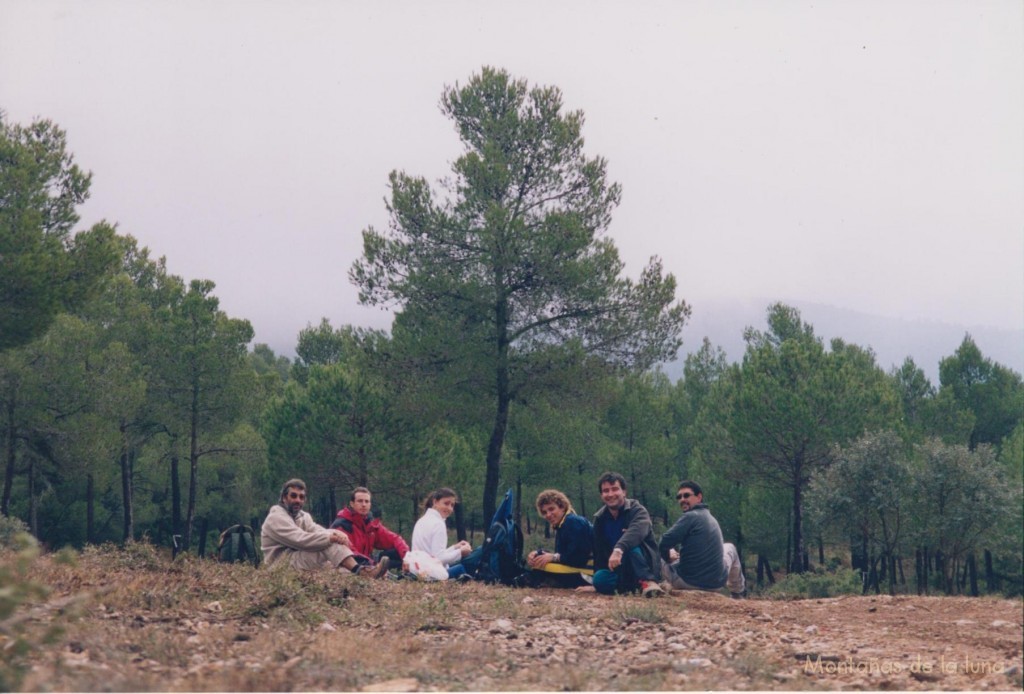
(291, 534)
(703, 561)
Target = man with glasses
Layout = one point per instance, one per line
(703, 561)
(291, 534)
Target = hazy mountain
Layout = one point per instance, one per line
(892, 339)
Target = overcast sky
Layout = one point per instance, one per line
(868, 155)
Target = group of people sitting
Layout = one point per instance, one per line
(618, 553)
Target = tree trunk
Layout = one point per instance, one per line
(90, 509)
(991, 582)
(919, 570)
(821, 551)
(497, 441)
(33, 504)
(789, 539)
(127, 491)
(892, 574)
(193, 468)
(873, 580)
(202, 536)
(972, 566)
(494, 447)
(460, 522)
(12, 458)
(799, 550)
(175, 498)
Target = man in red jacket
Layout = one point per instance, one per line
(367, 533)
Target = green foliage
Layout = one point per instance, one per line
(868, 494)
(45, 270)
(993, 393)
(793, 401)
(18, 592)
(816, 584)
(509, 279)
(14, 534)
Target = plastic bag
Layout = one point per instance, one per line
(423, 566)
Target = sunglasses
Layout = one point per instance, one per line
(298, 497)
(684, 495)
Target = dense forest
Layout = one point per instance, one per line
(132, 407)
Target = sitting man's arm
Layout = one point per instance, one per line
(672, 538)
(302, 535)
(387, 539)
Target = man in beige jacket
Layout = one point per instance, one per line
(291, 534)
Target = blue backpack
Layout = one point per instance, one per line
(500, 558)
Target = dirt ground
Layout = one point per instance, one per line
(210, 627)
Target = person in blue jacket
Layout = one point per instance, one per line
(574, 545)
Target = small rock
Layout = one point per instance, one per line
(926, 676)
(811, 630)
(964, 622)
(1002, 623)
(403, 684)
(691, 664)
(214, 606)
(501, 626)
(327, 626)
(528, 600)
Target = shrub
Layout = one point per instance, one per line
(14, 534)
(816, 584)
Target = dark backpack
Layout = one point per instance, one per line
(500, 558)
(238, 543)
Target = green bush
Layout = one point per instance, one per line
(18, 593)
(816, 584)
(14, 534)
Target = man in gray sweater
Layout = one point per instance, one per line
(290, 534)
(703, 561)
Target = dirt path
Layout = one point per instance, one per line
(153, 631)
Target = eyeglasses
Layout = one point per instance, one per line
(684, 495)
(299, 497)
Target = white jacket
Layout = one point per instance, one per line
(430, 535)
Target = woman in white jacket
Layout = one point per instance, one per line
(430, 534)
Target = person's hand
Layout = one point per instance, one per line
(340, 538)
(530, 557)
(542, 560)
(464, 548)
(615, 559)
(586, 589)
(673, 555)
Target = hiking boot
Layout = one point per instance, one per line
(379, 570)
(464, 578)
(650, 589)
(738, 596)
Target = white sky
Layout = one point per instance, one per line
(868, 155)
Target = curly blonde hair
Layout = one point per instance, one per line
(553, 496)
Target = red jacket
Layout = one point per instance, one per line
(368, 536)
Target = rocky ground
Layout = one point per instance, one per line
(133, 622)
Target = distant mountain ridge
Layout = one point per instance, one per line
(892, 339)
